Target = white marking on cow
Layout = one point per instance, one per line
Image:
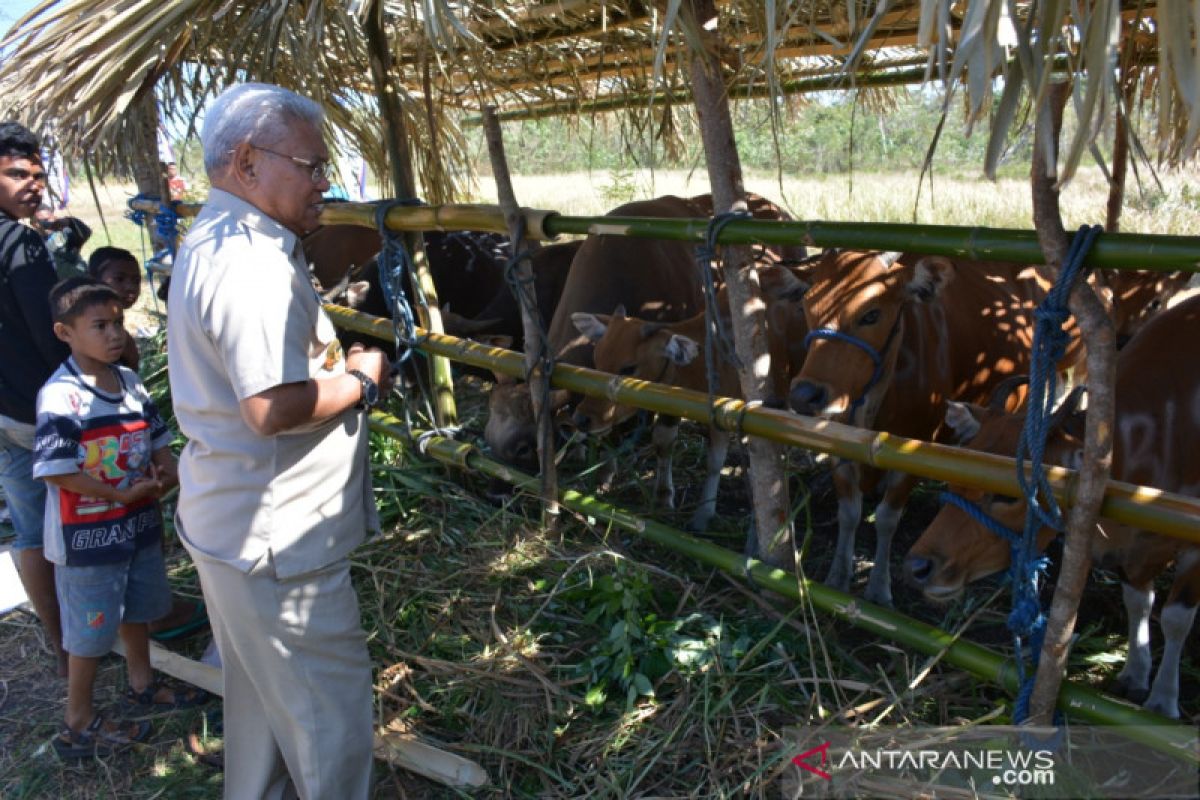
(1141, 446)
(1135, 675)
(879, 586)
(1176, 622)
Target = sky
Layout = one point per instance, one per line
(13, 10)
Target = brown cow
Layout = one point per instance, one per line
(940, 330)
(1157, 426)
(1137, 295)
(674, 353)
(655, 279)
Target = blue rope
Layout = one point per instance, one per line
(395, 265)
(1027, 621)
(715, 335)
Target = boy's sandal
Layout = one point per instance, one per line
(95, 739)
(181, 697)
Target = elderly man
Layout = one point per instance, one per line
(274, 488)
(29, 353)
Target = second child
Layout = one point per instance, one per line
(118, 268)
(102, 448)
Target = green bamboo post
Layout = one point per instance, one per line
(1141, 506)
(400, 161)
(1147, 251)
(1179, 741)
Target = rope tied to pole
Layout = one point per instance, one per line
(715, 335)
(395, 266)
(528, 303)
(1027, 621)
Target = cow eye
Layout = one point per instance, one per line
(1154, 304)
(628, 369)
(871, 317)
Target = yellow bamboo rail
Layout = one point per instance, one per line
(1141, 506)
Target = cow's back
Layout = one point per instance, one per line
(1158, 403)
(654, 279)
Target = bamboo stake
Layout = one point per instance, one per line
(1100, 339)
(1141, 506)
(1112, 250)
(400, 161)
(537, 353)
(1177, 740)
(768, 483)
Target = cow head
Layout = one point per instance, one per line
(853, 309)
(629, 348)
(511, 430)
(1138, 295)
(956, 549)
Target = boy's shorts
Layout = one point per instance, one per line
(95, 600)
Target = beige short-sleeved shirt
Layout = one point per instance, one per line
(242, 318)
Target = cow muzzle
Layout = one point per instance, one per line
(921, 571)
(808, 398)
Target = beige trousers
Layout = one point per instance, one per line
(298, 698)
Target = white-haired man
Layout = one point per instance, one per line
(274, 487)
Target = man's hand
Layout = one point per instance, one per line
(372, 362)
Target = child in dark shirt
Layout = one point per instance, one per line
(119, 269)
(102, 448)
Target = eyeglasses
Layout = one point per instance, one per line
(319, 166)
(18, 174)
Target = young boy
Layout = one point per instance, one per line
(118, 268)
(101, 446)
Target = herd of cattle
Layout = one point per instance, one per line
(922, 346)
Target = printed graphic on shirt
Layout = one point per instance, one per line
(110, 439)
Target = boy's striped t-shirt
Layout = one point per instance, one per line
(110, 437)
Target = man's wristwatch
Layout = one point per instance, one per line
(370, 390)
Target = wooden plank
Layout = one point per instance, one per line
(392, 744)
(197, 673)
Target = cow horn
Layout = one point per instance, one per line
(889, 257)
(1066, 409)
(1000, 395)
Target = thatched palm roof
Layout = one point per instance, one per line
(76, 66)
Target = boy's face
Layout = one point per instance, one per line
(125, 279)
(22, 181)
(97, 334)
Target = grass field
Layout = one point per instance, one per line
(587, 662)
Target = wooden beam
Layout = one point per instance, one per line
(392, 743)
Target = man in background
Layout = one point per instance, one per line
(29, 354)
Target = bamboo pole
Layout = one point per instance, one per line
(1157, 252)
(1099, 337)
(768, 481)
(1177, 740)
(400, 161)
(1141, 506)
(537, 354)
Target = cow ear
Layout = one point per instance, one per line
(590, 325)
(681, 350)
(619, 312)
(356, 293)
(962, 419)
(929, 277)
